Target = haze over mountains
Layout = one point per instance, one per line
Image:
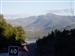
(38, 26)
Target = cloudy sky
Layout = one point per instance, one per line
(25, 8)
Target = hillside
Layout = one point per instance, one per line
(38, 26)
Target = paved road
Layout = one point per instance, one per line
(30, 53)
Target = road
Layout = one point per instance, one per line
(31, 51)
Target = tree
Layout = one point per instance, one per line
(60, 43)
(9, 30)
(10, 34)
(20, 33)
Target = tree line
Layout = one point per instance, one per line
(57, 43)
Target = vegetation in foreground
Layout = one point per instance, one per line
(10, 35)
(58, 43)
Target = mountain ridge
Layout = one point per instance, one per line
(38, 26)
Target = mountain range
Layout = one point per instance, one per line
(39, 26)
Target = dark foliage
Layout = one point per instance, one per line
(57, 44)
(9, 35)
